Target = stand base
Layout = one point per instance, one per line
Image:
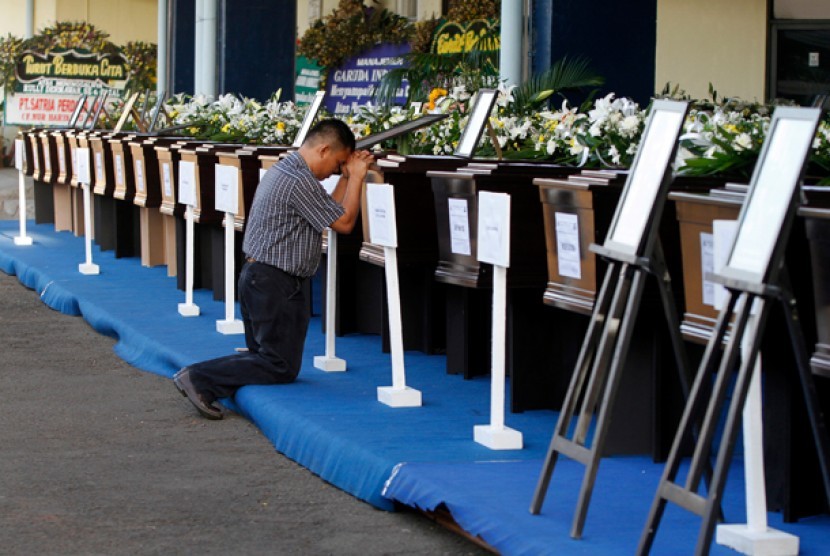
(187, 310)
(329, 364)
(759, 543)
(22, 240)
(89, 268)
(399, 397)
(230, 327)
(498, 439)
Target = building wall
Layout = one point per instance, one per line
(712, 41)
(124, 20)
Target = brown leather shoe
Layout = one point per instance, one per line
(185, 386)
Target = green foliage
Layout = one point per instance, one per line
(565, 75)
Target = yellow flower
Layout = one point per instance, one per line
(193, 130)
(731, 128)
(281, 125)
(226, 127)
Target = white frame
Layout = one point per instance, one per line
(310, 116)
(649, 175)
(771, 195)
(479, 116)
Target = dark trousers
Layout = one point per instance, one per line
(276, 313)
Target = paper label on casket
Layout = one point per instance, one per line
(568, 255)
(99, 166)
(380, 204)
(139, 175)
(227, 188)
(494, 228)
(36, 160)
(707, 264)
(74, 152)
(459, 227)
(61, 160)
(262, 172)
(82, 165)
(187, 183)
(47, 160)
(19, 153)
(166, 180)
(119, 170)
(723, 236)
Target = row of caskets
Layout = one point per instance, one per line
(556, 213)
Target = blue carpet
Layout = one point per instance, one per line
(333, 425)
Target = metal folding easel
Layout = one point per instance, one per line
(633, 250)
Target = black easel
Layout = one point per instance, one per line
(755, 275)
(633, 250)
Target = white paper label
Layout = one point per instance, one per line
(707, 264)
(36, 160)
(19, 153)
(380, 202)
(262, 172)
(139, 175)
(723, 232)
(227, 188)
(568, 254)
(187, 183)
(494, 228)
(167, 180)
(99, 166)
(61, 160)
(459, 227)
(119, 170)
(47, 160)
(74, 152)
(82, 165)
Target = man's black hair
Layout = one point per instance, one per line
(334, 131)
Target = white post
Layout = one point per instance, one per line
(399, 394)
(330, 362)
(188, 308)
(83, 172)
(494, 248)
(510, 53)
(19, 151)
(205, 57)
(30, 19)
(229, 325)
(495, 435)
(161, 58)
(755, 537)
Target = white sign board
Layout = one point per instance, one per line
(82, 165)
(380, 201)
(459, 227)
(187, 183)
(567, 245)
(494, 228)
(19, 153)
(227, 188)
(139, 175)
(167, 180)
(99, 166)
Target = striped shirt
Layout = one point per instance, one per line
(288, 215)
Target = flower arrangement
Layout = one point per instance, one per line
(77, 34)
(141, 64)
(236, 119)
(10, 49)
(349, 30)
